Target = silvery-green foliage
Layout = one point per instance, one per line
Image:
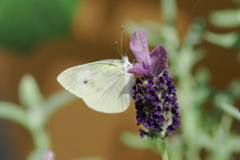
(201, 129)
(34, 112)
(225, 19)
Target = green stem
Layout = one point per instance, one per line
(41, 139)
(164, 151)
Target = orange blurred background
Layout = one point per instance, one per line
(76, 130)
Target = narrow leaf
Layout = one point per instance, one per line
(226, 18)
(195, 33)
(231, 110)
(234, 143)
(135, 141)
(13, 112)
(225, 40)
(169, 10)
(56, 102)
(29, 92)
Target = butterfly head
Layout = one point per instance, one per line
(126, 64)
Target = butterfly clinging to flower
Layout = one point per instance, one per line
(106, 86)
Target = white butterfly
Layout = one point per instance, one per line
(105, 86)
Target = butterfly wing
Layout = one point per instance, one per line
(75, 78)
(109, 91)
(104, 85)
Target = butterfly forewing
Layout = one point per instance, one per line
(75, 78)
(109, 91)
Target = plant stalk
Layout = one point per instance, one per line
(164, 151)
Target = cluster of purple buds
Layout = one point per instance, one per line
(156, 105)
(154, 93)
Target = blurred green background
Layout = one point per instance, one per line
(42, 38)
(29, 22)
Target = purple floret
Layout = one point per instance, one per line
(156, 105)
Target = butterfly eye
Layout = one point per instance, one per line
(134, 61)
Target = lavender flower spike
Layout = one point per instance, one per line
(148, 64)
(156, 105)
(154, 93)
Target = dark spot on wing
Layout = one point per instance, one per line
(85, 82)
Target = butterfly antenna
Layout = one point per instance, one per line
(121, 37)
(119, 52)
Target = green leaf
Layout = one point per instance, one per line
(223, 135)
(195, 33)
(29, 92)
(227, 40)
(13, 112)
(56, 102)
(234, 147)
(169, 35)
(185, 61)
(169, 11)
(202, 76)
(221, 98)
(231, 110)
(135, 141)
(176, 149)
(226, 18)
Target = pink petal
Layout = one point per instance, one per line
(138, 69)
(148, 64)
(158, 60)
(139, 46)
